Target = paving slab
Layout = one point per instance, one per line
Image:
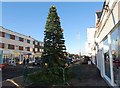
(87, 75)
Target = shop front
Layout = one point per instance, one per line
(111, 57)
(115, 52)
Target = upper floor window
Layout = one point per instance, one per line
(36, 49)
(28, 48)
(21, 39)
(31, 42)
(25, 40)
(20, 47)
(12, 37)
(39, 44)
(7, 36)
(1, 45)
(36, 42)
(11, 46)
(28, 41)
(2, 34)
(6, 46)
(16, 47)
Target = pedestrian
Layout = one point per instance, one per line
(24, 61)
(27, 60)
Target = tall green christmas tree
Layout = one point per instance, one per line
(54, 47)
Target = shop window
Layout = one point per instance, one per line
(115, 51)
(11, 46)
(107, 58)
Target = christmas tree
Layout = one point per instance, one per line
(54, 48)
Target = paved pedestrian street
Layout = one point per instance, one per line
(87, 76)
(83, 75)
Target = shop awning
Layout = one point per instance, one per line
(25, 53)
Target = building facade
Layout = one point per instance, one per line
(16, 46)
(38, 48)
(107, 41)
(89, 44)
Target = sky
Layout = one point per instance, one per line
(29, 18)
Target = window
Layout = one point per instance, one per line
(36, 49)
(6, 46)
(40, 43)
(2, 45)
(107, 58)
(12, 37)
(28, 41)
(36, 42)
(25, 40)
(16, 38)
(20, 47)
(115, 51)
(16, 47)
(31, 42)
(10, 46)
(2, 34)
(28, 48)
(31, 49)
(20, 39)
(7, 36)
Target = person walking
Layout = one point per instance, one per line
(27, 60)
(24, 61)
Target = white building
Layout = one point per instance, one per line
(90, 42)
(107, 40)
(16, 46)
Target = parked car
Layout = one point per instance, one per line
(69, 60)
(37, 62)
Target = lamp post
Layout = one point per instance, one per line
(25, 73)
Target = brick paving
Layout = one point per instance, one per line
(87, 76)
(84, 75)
